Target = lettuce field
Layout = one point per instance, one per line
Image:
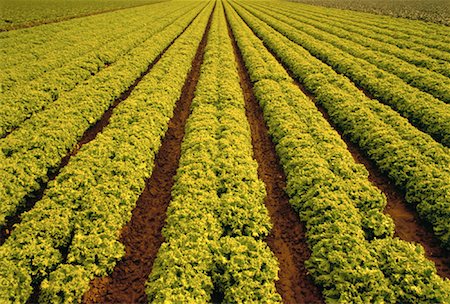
(222, 151)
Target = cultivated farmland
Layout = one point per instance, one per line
(223, 151)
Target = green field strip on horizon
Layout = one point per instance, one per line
(19, 14)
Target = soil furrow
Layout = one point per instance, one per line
(142, 235)
(51, 21)
(87, 137)
(408, 225)
(287, 239)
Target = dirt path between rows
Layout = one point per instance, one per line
(287, 239)
(142, 235)
(87, 137)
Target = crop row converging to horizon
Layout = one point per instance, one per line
(176, 120)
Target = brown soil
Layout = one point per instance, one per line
(42, 22)
(6, 230)
(287, 239)
(87, 137)
(142, 235)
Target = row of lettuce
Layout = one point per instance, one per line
(412, 159)
(71, 235)
(407, 34)
(422, 109)
(354, 256)
(216, 222)
(30, 153)
(27, 54)
(384, 40)
(418, 69)
(20, 102)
